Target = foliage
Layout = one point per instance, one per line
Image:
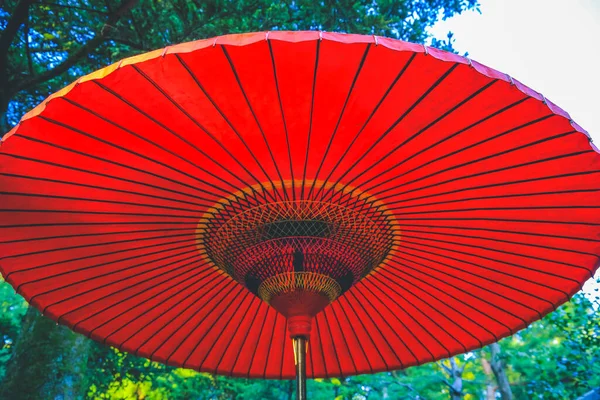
(44, 365)
(56, 42)
(555, 358)
(12, 309)
(45, 45)
(558, 357)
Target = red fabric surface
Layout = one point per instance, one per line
(494, 189)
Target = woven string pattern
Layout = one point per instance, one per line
(289, 282)
(258, 242)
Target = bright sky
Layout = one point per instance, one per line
(552, 46)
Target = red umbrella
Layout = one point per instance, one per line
(392, 204)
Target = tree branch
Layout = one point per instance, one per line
(19, 16)
(27, 49)
(73, 7)
(127, 42)
(446, 382)
(80, 53)
(16, 20)
(399, 382)
(136, 29)
(446, 368)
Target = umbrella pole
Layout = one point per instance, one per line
(300, 358)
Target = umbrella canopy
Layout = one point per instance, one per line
(393, 203)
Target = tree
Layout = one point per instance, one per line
(498, 367)
(557, 357)
(47, 44)
(60, 359)
(44, 45)
(12, 310)
(39, 47)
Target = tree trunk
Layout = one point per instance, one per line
(490, 387)
(4, 127)
(457, 382)
(500, 372)
(19, 16)
(48, 362)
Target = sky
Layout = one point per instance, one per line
(552, 46)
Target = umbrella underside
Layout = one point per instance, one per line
(279, 245)
(182, 205)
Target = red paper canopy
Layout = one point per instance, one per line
(484, 196)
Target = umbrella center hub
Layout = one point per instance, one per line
(298, 255)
